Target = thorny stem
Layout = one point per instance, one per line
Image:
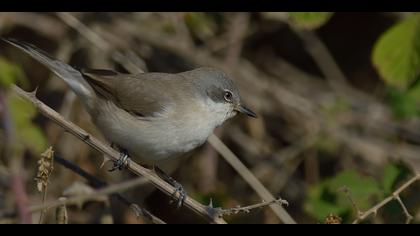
(394, 196)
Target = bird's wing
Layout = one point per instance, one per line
(141, 94)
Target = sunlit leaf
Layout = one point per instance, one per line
(396, 55)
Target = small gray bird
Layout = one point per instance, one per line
(153, 117)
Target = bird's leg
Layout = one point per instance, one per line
(123, 161)
(178, 187)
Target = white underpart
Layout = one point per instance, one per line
(169, 135)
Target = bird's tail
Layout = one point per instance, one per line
(69, 74)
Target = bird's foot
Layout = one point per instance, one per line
(179, 189)
(122, 162)
(182, 194)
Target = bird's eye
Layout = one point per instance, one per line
(228, 96)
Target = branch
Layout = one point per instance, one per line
(247, 209)
(114, 155)
(394, 196)
(250, 178)
(99, 184)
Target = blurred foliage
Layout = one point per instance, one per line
(310, 20)
(326, 198)
(28, 134)
(10, 73)
(396, 54)
(200, 25)
(403, 103)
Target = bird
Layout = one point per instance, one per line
(151, 117)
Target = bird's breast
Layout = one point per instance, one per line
(149, 141)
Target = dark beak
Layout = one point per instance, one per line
(244, 110)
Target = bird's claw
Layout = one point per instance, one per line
(178, 187)
(182, 194)
(121, 163)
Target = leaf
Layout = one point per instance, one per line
(325, 198)
(392, 173)
(390, 176)
(9, 73)
(362, 188)
(309, 20)
(396, 55)
(404, 104)
(320, 206)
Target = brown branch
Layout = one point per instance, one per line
(250, 178)
(394, 196)
(97, 183)
(114, 155)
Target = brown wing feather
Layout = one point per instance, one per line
(136, 94)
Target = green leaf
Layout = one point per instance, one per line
(362, 188)
(396, 55)
(326, 198)
(9, 73)
(390, 177)
(310, 20)
(404, 104)
(320, 206)
(27, 134)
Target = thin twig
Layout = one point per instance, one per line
(408, 216)
(347, 192)
(250, 178)
(247, 209)
(394, 196)
(114, 155)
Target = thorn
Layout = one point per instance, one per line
(33, 93)
(104, 161)
(211, 203)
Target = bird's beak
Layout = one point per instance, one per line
(244, 110)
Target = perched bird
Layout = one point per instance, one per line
(152, 117)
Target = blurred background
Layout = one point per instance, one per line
(337, 96)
